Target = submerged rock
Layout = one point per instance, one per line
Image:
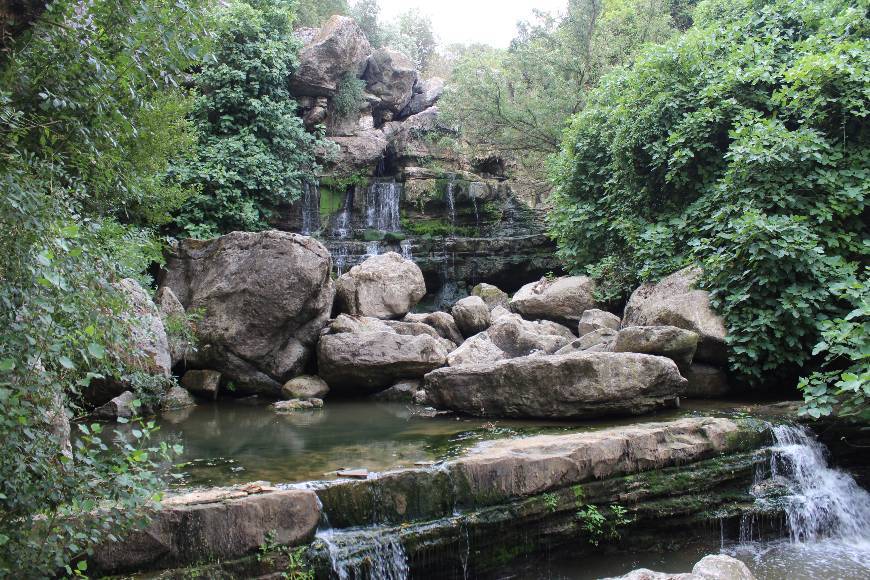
(718, 567)
(305, 387)
(471, 315)
(264, 297)
(364, 363)
(384, 286)
(562, 386)
(674, 301)
(675, 343)
(297, 405)
(561, 299)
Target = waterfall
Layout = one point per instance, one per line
(341, 226)
(373, 248)
(310, 207)
(405, 245)
(821, 502)
(339, 259)
(450, 199)
(373, 553)
(382, 206)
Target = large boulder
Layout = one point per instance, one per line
(148, 333)
(176, 324)
(675, 343)
(264, 298)
(305, 387)
(518, 337)
(476, 350)
(595, 319)
(492, 295)
(390, 75)
(571, 386)
(599, 340)
(384, 286)
(368, 362)
(718, 567)
(674, 301)
(339, 47)
(443, 323)
(561, 299)
(120, 406)
(471, 315)
(212, 525)
(203, 383)
(430, 91)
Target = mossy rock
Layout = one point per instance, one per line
(394, 236)
(373, 235)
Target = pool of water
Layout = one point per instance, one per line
(230, 442)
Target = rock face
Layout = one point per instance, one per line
(562, 299)
(149, 335)
(595, 319)
(718, 567)
(518, 337)
(384, 286)
(338, 48)
(476, 350)
(305, 387)
(203, 383)
(218, 524)
(363, 363)
(172, 314)
(492, 295)
(675, 343)
(264, 298)
(600, 340)
(120, 406)
(563, 386)
(390, 76)
(706, 382)
(674, 301)
(471, 315)
(430, 91)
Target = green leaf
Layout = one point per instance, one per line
(7, 364)
(66, 363)
(96, 350)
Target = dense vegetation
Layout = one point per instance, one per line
(515, 102)
(742, 146)
(90, 114)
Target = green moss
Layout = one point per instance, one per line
(373, 235)
(394, 236)
(331, 200)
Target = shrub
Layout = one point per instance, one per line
(348, 95)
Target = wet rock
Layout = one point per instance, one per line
(718, 567)
(390, 75)
(384, 286)
(561, 299)
(368, 362)
(595, 319)
(305, 387)
(205, 527)
(177, 398)
(674, 301)
(202, 383)
(442, 322)
(518, 337)
(565, 386)
(430, 91)
(297, 405)
(600, 340)
(264, 297)
(361, 150)
(706, 382)
(338, 48)
(401, 392)
(492, 295)
(120, 406)
(471, 315)
(675, 343)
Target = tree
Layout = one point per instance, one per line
(367, 14)
(313, 13)
(412, 34)
(90, 113)
(741, 146)
(514, 102)
(254, 153)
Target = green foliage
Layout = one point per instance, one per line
(349, 95)
(90, 114)
(514, 103)
(599, 527)
(313, 13)
(253, 153)
(297, 565)
(551, 500)
(740, 146)
(412, 34)
(367, 14)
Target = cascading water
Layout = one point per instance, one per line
(450, 199)
(373, 248)
(382, 206)
(827, 514)
(310, 207)
(371, 553)
(405, 246)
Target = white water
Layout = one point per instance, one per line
(382, 206)
(373, 553)
(450, 199)
(405, 245)
(310, 207)
(827, 515)
(373, 248)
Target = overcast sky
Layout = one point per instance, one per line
(490, 22)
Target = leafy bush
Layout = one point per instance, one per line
(349, 95)
(254, 153)
(742, 146)
(90, 114)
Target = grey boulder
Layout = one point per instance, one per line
(390, 76)
(305, 387)
(572, 386)
(340, 47)
(561, 299)
(471, 315)
(442, 322)
(383, 286)
(675, 343)
(492, 295)
(706, 382)
(203, 383)
(595, 319)
(600, 340)
(425, 95)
